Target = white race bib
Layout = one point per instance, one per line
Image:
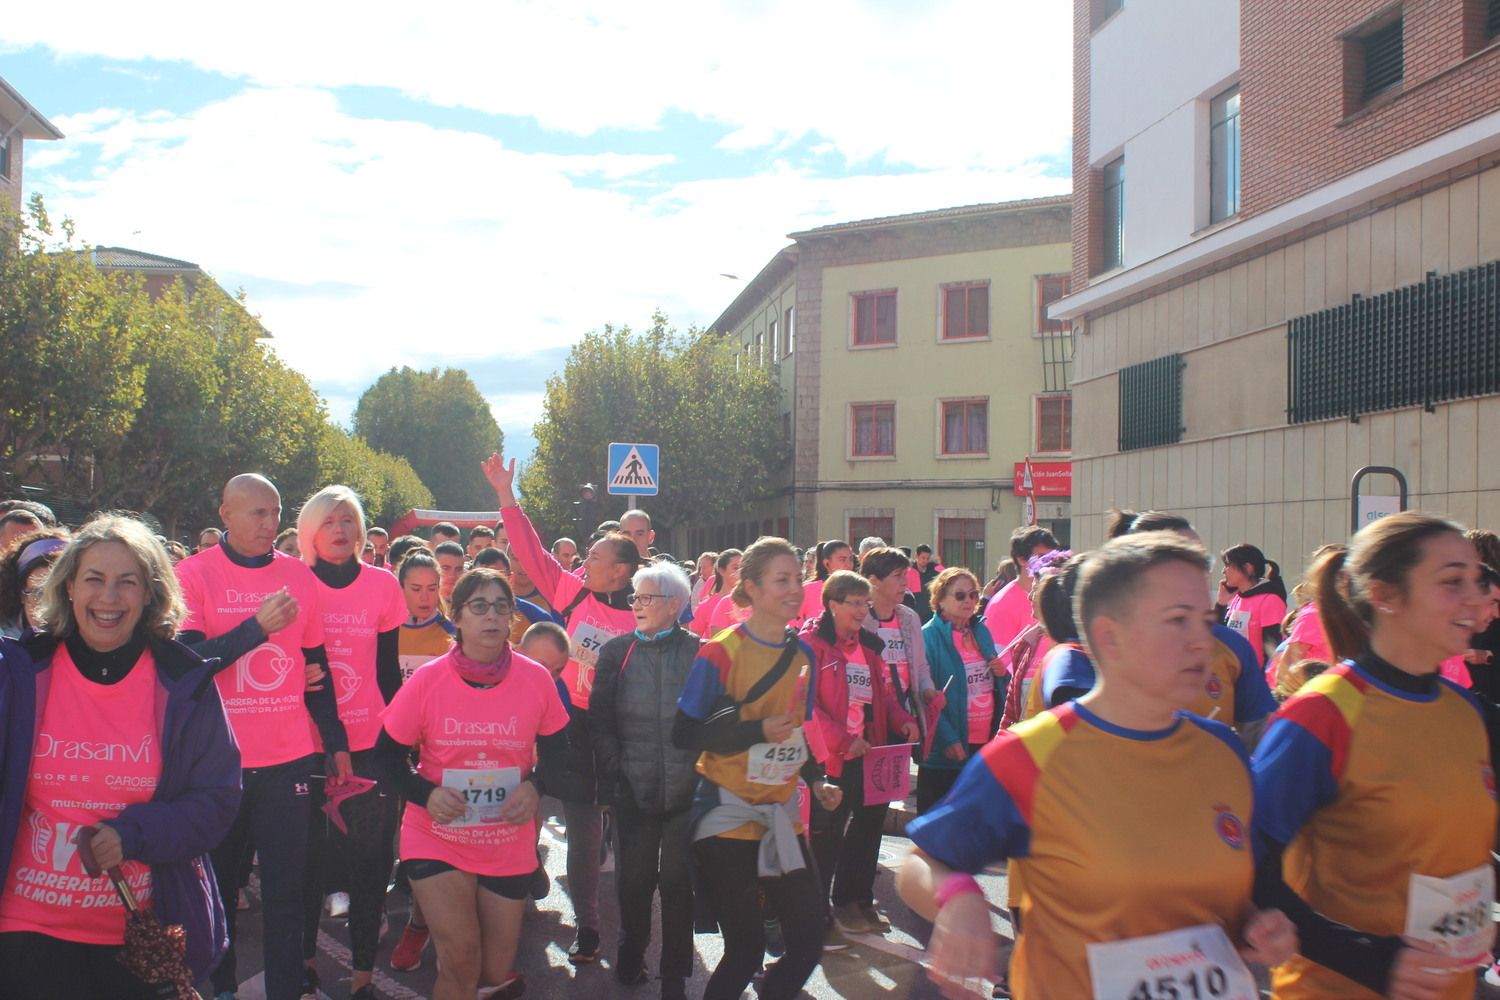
(588, 639)
(980, 680)
(1453, 913)
(484, 789)
(776, 763)
(858, 676)
(1195, 963)
(1239, 621)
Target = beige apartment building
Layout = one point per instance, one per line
(918, 368)
(1285, 263)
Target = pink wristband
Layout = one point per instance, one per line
(956, 884)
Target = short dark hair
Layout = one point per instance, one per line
(1133, 522)
(371, 533)
(1052, 600)
(400, 547)
(447, 529)
(421, 559)
(481, 531)
(491, 556)
(1112, 572)
(472, 581)
(924, 547)
(1025, 539)
(450, 549)
(40, 511)
(882, 562)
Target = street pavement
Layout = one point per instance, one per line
(872, 966)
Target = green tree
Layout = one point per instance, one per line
(440, 424)
(715, 418)
(70, 381)
(386, 485)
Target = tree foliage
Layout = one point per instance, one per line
(440, 424)
(714, 416)
(153, 403)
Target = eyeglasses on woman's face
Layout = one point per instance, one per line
(479, 607)
(645, 600)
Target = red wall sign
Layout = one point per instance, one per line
(1049, 479)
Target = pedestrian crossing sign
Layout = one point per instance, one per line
(634, 470)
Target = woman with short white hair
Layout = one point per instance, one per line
(363, 609)
(649, 781)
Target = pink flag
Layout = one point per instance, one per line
(338, 793)
(887, 773)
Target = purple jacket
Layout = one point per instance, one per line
(196, 798)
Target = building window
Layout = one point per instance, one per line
(872, 527)
(786, 427)
(874, 318)
(873, 430)
(966, 428)
(760, 348)
(966, 310)
(5, 157)
(771, 343)
(1382, 59)
(786, 326)
(1151, 403)
(1224, 155)
(1054, 425)
(1112, 215)
(1492, 20)
(1050, 288)
(961, 543)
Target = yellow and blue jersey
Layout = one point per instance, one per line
(1116, 834)
(1367, 785)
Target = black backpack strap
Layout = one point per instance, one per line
(777, 671)
(578, 598)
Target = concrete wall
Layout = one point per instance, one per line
(1241, 472)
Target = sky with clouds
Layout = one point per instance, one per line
(479, 184)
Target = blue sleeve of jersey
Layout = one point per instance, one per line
(976, 824)
(1069, 670)
(534, 614)
(702, 689)
(1253, 699)
(1293, 779)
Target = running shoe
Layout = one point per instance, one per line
(775, 940)
(407, 955)
(1492, 975)
(849, 919)
(879, 922)
(310, 983)
(585, 949)
(508, 990)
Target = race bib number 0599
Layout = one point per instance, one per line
(1195, 963)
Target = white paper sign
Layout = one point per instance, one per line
(1195, 963)
(1453, 913)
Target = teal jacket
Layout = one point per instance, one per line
(948, 672)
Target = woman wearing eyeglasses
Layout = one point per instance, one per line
(964, 666)
(648, 781)
(477, 717)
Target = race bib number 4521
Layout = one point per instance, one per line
(776, 763)
(1195, 963)
(1453, 913)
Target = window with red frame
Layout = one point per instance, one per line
(966, 427)
(874, 318)
(966, 310)
(874, 430)
(861, 528)
(1050, 288)
(1054, 424)
(961, 543)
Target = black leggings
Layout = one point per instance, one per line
(846, 841)
(366, 854)
(727, 874)
(40, 967)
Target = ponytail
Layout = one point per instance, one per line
(1346, 627)
(1273, 577)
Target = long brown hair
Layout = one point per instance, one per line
(1325, 559)
(1385, 550)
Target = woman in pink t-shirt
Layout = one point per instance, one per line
(477, 717)
(726, 574)
(362, 609)
(832, 556)
(1252, 597)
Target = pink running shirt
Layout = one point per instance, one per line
(263, 689)
(97, 750)
(353, 618)
(480, 739)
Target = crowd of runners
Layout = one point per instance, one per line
(1188, 770)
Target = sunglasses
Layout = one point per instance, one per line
(964, 595)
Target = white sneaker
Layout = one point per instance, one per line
(1492, 975)
(338, 904)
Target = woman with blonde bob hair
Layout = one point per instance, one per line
(139, 760)
(363, 608)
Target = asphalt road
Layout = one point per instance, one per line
(872, 966)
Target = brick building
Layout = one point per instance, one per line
(917, 368)
(19, 121)
(1285, 246)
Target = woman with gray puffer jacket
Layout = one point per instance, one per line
(647, 780)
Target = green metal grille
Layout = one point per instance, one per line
(1414, 346)
(1151, 403)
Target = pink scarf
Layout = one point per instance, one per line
(471, 670)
